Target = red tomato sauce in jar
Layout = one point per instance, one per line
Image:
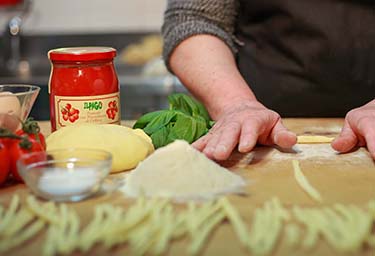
(83, 86)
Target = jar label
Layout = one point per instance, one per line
(98, 109)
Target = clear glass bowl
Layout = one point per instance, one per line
(65, 175)
(16, 101)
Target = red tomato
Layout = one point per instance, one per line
(4, 163)
(38, 137)
(17, 149)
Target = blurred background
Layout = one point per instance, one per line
(30, 28)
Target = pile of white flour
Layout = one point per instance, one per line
(180, 172)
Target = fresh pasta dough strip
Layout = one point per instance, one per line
(88, 237)
(236, 220)
(19, 220)
(292, 235)
(25, 235)
(167, 225)
(304, 183)
(313, 139)
(47, 212)
(180, 227)
(131, 221)
(70, 234)
(306, 217)
(267, 226)
(1, 212)
(9, 214)
(199, 238)
(153, 227)
(345, 228)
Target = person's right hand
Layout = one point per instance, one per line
(245, 124)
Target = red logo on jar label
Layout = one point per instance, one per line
(112, 109)
(70, 113)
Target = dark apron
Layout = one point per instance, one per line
(308, 57)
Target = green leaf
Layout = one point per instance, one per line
(159, 121)
(211, 124)
(184, 128)
(145, 119)
(203, 112)
(188, 105)
(202, 128)
(182, 102)
(160, 137)
(186, 119)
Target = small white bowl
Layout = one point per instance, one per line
(65, 175)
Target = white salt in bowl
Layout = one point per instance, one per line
(65, 175)
(16, 102)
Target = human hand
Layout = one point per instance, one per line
(358, 130)
(245, 124)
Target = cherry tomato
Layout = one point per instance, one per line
(31, 128)
(4, 163)
(38, 137)
(17, 149)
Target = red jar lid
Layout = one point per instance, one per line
(82, 53)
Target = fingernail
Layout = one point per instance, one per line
(208, 150)
(243, 146)
(221, 148)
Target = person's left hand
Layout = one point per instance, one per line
(358, 130)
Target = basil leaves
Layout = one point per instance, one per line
(186, 119)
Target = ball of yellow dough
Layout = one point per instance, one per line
(127, 146)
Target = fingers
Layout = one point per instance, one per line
(224, 136)
(370, 140)
(346, 140)
(219, 143)
(249, 136)
(282, 137)
(201, 143)
(223, 141)
(367, 130)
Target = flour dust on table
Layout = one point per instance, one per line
(317, 152)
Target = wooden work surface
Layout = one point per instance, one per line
(346, 178)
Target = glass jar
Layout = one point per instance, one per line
(83, 86)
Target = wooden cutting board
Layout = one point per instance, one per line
(340, 178)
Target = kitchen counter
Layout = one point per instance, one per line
(340, 178)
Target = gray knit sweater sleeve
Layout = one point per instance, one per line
(185, 18)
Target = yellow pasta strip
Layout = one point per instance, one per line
(312, 139)
(371, 241)
(307, 217)
(9, 214)
(47, 212)
(89, 234)
(20, 219)
(167, 224)
(27, 233)
(69, 236)
(292, 234)
(236, 220)
(201, 237)
(304, 183)
(149, 231)
(267, 226)
(180, 227)
(1, 212)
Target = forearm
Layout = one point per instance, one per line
(186, 18)
(206, 66)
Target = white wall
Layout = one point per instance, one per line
(89, 16)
